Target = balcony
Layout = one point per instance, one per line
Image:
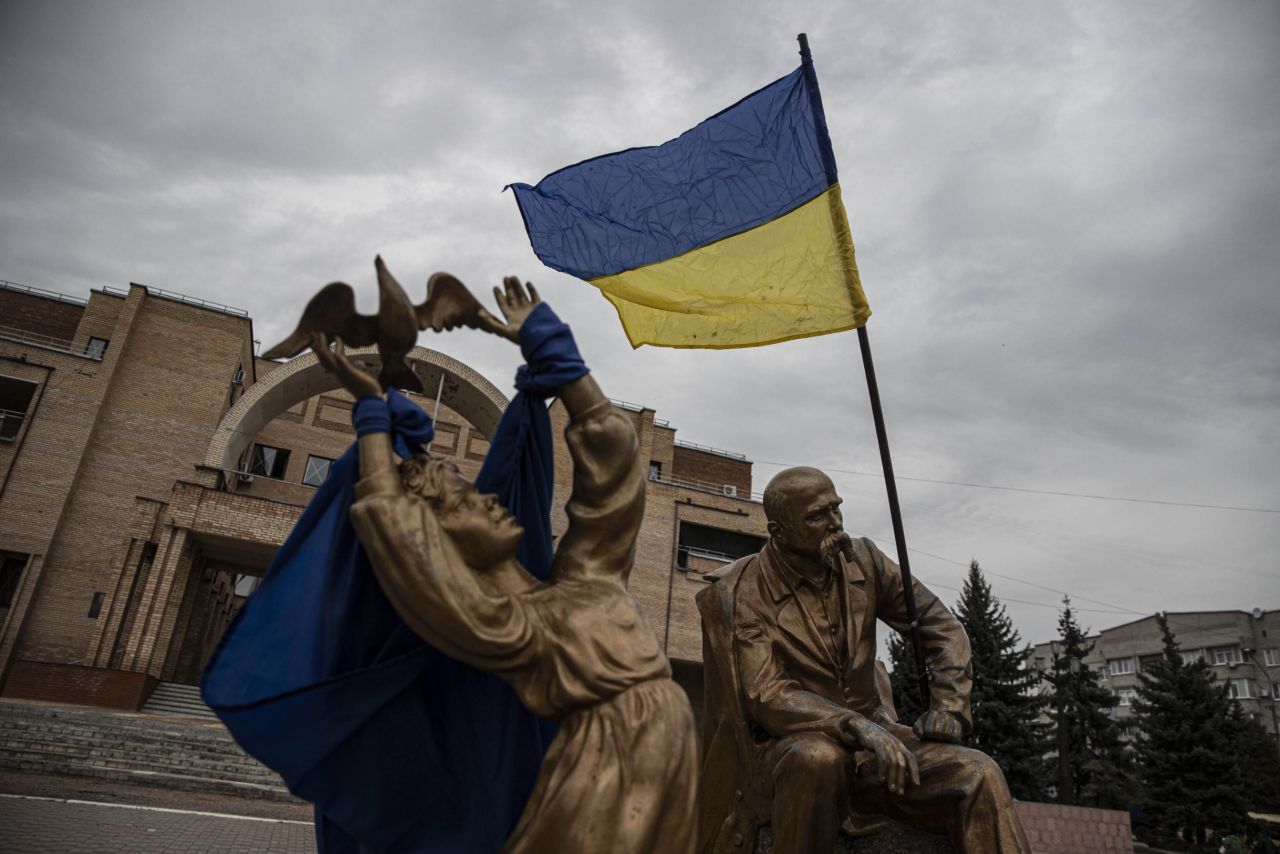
(47, 342)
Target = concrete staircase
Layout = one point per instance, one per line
(140, 748)
(171, 699)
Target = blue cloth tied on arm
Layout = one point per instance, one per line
(399, 747)
(519, 467)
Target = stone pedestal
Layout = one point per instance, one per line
(893, 839)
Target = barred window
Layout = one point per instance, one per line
(268, 461)
(317, 470)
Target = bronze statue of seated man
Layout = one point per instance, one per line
(796, 734)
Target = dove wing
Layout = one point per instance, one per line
(333, 312)
(449, 305)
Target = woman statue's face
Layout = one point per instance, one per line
(482, 529)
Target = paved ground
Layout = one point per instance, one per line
(48, 813)
(92, 789)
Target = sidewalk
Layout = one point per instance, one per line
(51, 813)
(38, 826)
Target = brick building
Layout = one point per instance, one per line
(150, 466)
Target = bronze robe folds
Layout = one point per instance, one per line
(620, 775)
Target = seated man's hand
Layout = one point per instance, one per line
(895, 763)
(936, 725)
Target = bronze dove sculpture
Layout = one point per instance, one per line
(395, 327)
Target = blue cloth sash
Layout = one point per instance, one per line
(399, 747)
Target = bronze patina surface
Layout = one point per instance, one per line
(620, 775)
(798, 731)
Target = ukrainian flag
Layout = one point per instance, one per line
(731, 235)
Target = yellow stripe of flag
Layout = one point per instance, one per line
(792, 277)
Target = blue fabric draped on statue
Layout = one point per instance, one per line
(399, 747)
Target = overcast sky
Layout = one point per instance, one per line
(1067, 217)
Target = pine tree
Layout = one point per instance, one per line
(1089, 763)
(904, 679)
(1258, 768)
(1188, 736)
(1006, 709)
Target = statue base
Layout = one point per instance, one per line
(893, 838)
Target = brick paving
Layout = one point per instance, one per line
(38, 825)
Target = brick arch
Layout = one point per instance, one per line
(465, 392)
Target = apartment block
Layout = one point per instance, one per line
(1242, 648)
(151, 465)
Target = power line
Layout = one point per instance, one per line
(1060, 493)
(1116, 609)
(1113, 609)
(1024, 601)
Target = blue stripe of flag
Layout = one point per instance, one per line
(742, 167)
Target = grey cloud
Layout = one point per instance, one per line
(1065, 216)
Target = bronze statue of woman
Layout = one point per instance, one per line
(620, 775)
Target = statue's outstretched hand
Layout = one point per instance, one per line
(936, 725)
(355, 380)
(896, 764)
(517, 302)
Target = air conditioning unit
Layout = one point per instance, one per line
(730, 490)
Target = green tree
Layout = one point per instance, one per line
(1189, 733)
(1088, 762)
(1258, 766)
(1256, 769)
(904, 679)
(1006, 708)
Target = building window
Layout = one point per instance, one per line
(11, 577)
(1189, 656)
(1126, 696)
(15, 398)
(1227, 655)
(317, 470)
(95, 605)
(1275, 690)
(655, 470)
(268, 461)
(97, 348)
(1271, 657)
(717, 544)
(1148, 661)
(1120, 666)
(1238, 689)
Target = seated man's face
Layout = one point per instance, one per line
(813, 526)
(484, 532)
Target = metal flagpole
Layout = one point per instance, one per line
(435, 416)
(891, 487)
(886, 463)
